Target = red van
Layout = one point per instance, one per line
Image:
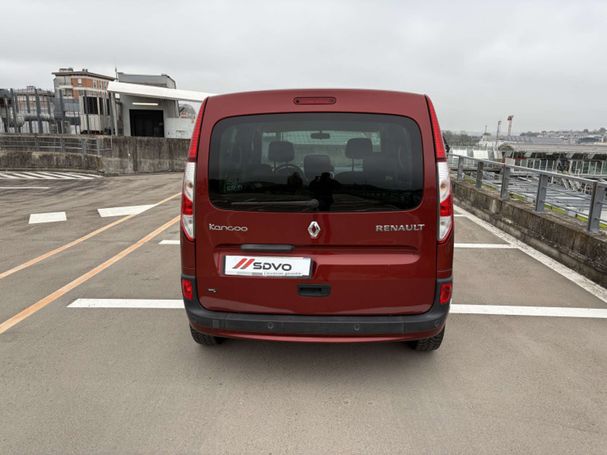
(317, 216)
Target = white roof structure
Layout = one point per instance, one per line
(150, 91)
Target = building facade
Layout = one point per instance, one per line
(146, 115)
(28, 110)
(82, 102)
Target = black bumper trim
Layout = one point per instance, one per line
(282, 324)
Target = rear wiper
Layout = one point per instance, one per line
(312, 203)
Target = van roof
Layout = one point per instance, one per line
(346, 100)
(317, 91)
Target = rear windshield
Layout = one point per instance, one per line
(316, 162)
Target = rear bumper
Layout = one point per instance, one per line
(317, 328)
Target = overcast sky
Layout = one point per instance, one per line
(544, 62)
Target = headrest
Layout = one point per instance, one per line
(315, 165)
(359, 148)
(281, 151)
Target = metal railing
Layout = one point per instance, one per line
(503, 175)
(66, 143)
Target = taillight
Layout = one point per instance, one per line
(187, 289)
(193, 150)
(445, 208)
(446, 289)
(439, 145)
(187, 200)
(189, 179)
(445, 196)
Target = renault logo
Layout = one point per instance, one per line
(314, 229)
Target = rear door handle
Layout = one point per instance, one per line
(314, 290)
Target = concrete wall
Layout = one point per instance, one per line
(563, 239)
(128, 155)
(25, 159)
(108, 155)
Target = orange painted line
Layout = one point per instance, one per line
(62, 248)
(27, 312)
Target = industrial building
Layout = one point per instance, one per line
(28, 110)
(82, 102)
(148, 105)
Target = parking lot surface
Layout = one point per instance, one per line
(99, 379)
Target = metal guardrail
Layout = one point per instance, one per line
(65, 143)
(506, 170)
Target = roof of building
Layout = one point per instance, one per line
(82, 72)
(150, 91)
(159, 80)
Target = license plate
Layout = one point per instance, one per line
(267, 266)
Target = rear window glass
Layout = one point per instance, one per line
(316, 162)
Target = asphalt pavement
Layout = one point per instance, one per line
(131, 380)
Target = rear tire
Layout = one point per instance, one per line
(428, 344)
(204, 339)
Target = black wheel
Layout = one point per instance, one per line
(428, 344)
(204, 339)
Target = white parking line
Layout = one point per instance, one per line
(50, 176)
(169, 242)
(127, 303)
(24, 187)
(46, 175)
(508, 310)
(50, 217)
(498, 310)
(495, 246)
(590, 286)
(21, 175)
(122, 211)
(34, 175)
(82, 176)
(60, 176)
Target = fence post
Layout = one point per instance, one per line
(504, 194)
(460, 167)
(540, 198)
(596, 206)
(479, 174)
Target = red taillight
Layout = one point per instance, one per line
(439, 145)
(446, 289)
(193, 150)
(445, 202)
(187, 206)
(446, 206)
(187, 289)
(187, 200)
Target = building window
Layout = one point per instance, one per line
(90, 105)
